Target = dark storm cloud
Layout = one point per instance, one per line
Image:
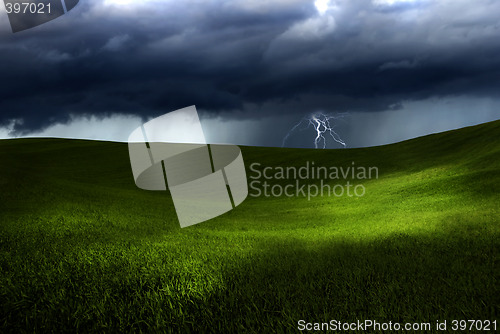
(246, 58)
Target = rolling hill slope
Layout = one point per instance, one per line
(81, 248)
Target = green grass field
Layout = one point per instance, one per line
(83, 250)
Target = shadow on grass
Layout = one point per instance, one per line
(451, 275)
(400, 278)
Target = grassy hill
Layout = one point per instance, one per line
(82, 249)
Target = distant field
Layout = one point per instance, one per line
(82, 249)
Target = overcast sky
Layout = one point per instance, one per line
(254, 68)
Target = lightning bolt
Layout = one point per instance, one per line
(322, 124)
